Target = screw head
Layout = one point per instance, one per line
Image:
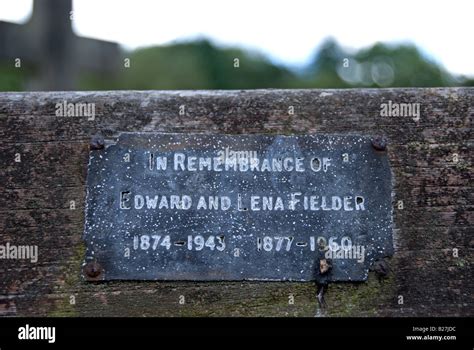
(381, 268)
(93, 269)
(324, 266)
(379, 143)
(97, 142)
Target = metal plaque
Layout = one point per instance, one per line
(237, 207)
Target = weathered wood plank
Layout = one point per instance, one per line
(437, 216)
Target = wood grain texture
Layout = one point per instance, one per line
(436, 191)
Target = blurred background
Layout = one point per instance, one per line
(205, 44)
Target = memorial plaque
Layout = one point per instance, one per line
(237, 207)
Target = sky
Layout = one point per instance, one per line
(288, 32)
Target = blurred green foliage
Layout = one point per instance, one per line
(195, 65)
(14, 79)
(378, 66)
(202, 65)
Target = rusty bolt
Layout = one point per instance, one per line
(381, 268)
(324, 266)
(97, 142)
(379, 143)
(93, 269)
(322, 288)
